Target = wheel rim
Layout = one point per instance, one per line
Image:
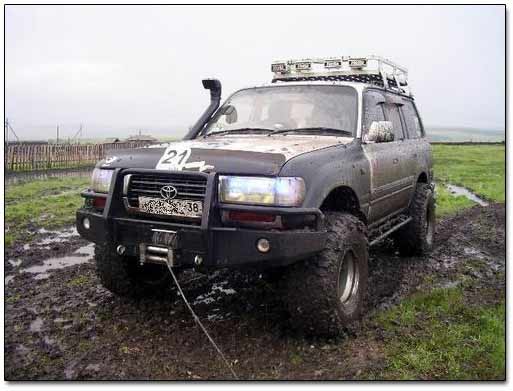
(348, 279)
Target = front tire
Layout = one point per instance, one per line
(327, 292)
(123, 276)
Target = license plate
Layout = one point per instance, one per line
(183, 208)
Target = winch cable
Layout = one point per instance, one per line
(197, 320)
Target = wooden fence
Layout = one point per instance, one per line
(33, 157)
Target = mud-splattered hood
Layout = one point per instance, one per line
(260, 154)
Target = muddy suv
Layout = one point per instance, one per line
(300, 177)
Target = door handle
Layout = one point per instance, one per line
(395, 161)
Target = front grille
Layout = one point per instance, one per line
(190, 187)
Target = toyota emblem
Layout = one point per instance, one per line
(168, 192)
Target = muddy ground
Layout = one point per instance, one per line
(61, 324)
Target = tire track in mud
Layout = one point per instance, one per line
(66, 326)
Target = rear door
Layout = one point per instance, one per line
(419, 147)
(391, 182)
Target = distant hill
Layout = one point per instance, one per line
(453, 134)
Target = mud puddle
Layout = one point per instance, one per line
(43, 271)
(462, 191)
(82, 255)
(44, 244)
(52, 237)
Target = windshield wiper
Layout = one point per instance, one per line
(241, 130)
(319, 129)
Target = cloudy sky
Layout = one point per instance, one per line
(117, 69)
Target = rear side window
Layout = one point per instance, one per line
(392, 114)
(412, 120)
(372, 109)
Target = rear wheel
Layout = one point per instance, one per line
(416, 237)
(124, 276)
(327, 292)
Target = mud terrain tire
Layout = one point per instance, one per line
(416, 237)
(124, 276)
(321, 300)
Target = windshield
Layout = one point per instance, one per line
(305, 107)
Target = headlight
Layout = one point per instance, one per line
(101, 180)
(281, 191)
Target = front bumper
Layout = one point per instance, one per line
(215, 244)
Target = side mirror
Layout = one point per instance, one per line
(380, 132)
(231, 114)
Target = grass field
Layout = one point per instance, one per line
(479, 168)
(47, 203)
(442, 336)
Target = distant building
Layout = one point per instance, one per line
(111, 140)
(142, 137)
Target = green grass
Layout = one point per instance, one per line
(447, 204)
(54, 166)
(78, 281)
(43, 204)
(437, 335)
(480, 168)
(54, 186)
(8, 239)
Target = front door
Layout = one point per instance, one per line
(391, 182)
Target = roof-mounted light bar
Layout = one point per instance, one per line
(303, 66)
(279, 67)
(333, 63)
(357, 63)
(392, 75)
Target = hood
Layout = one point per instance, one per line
(255, 154)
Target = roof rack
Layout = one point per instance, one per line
(370, 69)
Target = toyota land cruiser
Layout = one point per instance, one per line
(302, 174)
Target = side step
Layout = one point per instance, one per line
(383, 235)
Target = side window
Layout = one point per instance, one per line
(392, 114)
(372, 109)
(412, 120)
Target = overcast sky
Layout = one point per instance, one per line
(117, 69)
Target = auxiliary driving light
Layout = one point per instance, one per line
(279, 67)
(303, 66)
(331, 63)
(86, 223)
(263, 245)
(357, 63)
